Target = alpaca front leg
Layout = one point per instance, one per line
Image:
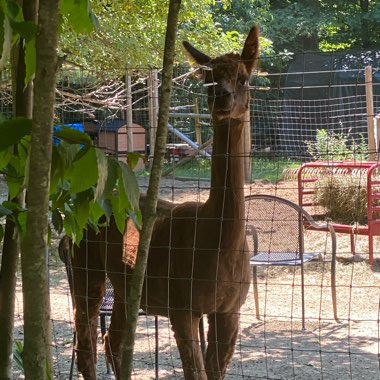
(87, 306)
(222, 334)
(114, 337)
(186, 331)
(88, 291)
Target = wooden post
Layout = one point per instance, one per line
(372, 144)
(150, 114)
(198, 136)
(129, 113)
(247, 147)
(153, 108)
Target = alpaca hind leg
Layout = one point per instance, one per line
(114, 336)
(222, 334)
(186, 331)
(88, 289)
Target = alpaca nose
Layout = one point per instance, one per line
(220, 91)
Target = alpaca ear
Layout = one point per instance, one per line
(251, 49)
(195, 54)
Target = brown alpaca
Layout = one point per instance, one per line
(198, 260)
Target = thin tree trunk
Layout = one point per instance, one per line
(23, 102)
(7, 298)
(37, 329)
(149, 212)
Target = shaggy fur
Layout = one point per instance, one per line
(198, 259)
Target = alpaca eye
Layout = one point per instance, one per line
(243, 81)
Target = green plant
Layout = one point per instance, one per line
(17, 355)
(19, 360)
(330, 145)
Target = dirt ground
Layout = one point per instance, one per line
(273, 346)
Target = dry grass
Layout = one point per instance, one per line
(344, 198)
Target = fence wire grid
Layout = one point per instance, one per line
(286, 112)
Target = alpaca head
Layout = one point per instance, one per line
(227, 78)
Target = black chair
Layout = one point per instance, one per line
(277, 227)
(105, 308)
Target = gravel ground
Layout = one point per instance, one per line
(272, 347)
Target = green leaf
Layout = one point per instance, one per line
(26, 29)
(60, 198)
(14, 10)
(79, 15)
(133, 159)
(82, 208)
(129, 193)
(84, 172)
(119, 214)
(13, 130)
(15, 177)
(72, 229)
(18, 355)
(104, 189)
(106, 207)
(95, 213)
(63, 156)
(73, 136)
(56, 218)
(5, 156)
(102, 173)
(13, 206)
(4, 211)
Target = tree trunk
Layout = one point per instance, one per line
(149, 212)
(7, 298)
(37, 330)
(22, 101)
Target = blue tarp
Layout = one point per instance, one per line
(77, 126)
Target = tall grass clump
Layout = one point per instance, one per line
(344, 198)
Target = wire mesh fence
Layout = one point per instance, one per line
(286, 111)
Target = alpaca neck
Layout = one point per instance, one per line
(227, 170)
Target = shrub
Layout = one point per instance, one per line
(329, 145)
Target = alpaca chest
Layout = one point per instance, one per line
(195, 269)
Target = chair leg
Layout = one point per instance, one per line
(370, 249)
(103, 329)
(156, 347)
(333, 288)
(255, 291)
(202, 337)
(352, 243)
(303, 296)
